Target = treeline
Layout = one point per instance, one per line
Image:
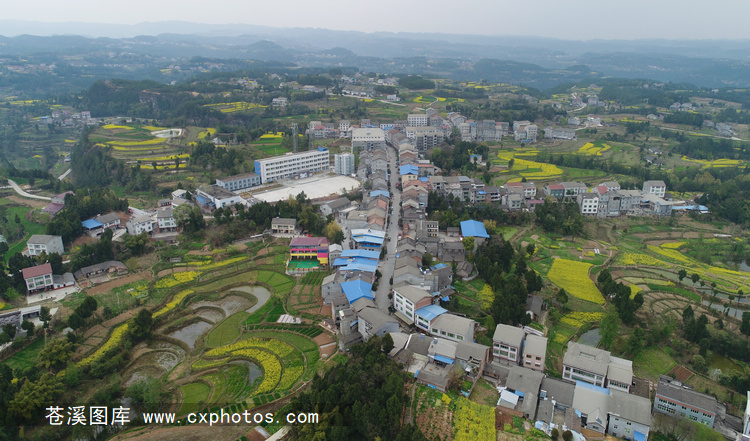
(414, 82)
(457, 157)
(560, 217)
(512, 110)
(362, 399)
(471, 93)
(450, 212)
(507, 272)
(702, 147)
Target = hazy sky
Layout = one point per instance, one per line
(565, 19)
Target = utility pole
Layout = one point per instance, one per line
(295, 136)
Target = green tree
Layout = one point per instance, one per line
(35, 396)
(609, 328)
(682, 274)
(699, 363)
(468, 243)
(562, 296)
(10, 329)
(142, 324)
(75, 321)
(426, 260)
(148, 394)
(153, 164)
(635, 342)
(387, 343)
(688, 314)
(695, 278)
(567, 435)
(56, 354)
(45, 316)
(28, 327)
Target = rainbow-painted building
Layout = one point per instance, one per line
(308, 248)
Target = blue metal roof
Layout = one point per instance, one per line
(638, 436)
(443, 359)
(439, 265)
(376, 193)
(91, 224)
(366, 254)
(359, 267)
(429, 312)
(425, 179)
(356, 289)
(472, 228)
(583, 384)
(409, 169)
(367, 238)
(446, 299)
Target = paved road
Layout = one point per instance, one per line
(20, 192)
(387, 265)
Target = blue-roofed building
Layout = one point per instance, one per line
(356, 264)
(472, 228)
(368, 239)
(376, 193)
(357, 289)
(408, 169)
(365, 254)
(92, 224)
(426, 314)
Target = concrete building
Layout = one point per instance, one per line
(407, 300)
(292, 164)
(597, 367)
(309, 248)
(239, 182)
(212, 197)
(677, 399)
(534, 352)
(38, 278)
(281, 225)
(44, 243)
(417, 120)
(373, 321)
(507, 343)
(658, 188)
(589, 203)
(368, 138)
(165, 220)
(139, 224)
(343, 163)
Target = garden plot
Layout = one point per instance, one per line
(211, 314)
(143, 373)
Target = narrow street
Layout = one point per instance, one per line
(386, 265)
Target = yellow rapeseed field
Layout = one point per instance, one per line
(573, 277)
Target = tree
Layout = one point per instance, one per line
(745, 325)
(562, 296)
(682, 274)
(510, 163)
(426, 260)
(10, 329)
(153, 164)
(387, 343)
(34, 396)
(486, 296)
(555, 434)
(695, 278)
(147, 394)
(530, 249)
(56, 261)
(56, 354)
(468, 243)
(45, 316)
(699, 363)
(75, 321)
(609, 328)
(28, 327)
(635, 342)
(87, 308)
(567, 435)
(688, 314)
(332, 230)
(142, 324)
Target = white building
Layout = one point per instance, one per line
(343, 163)
(239, 182)
(165, 219)
(279, 102)
(138, 224)
(44, 243)
(213, 197)
(417, 120)
(589, 203)
(658, 188)
(368, 138)
(292, 164)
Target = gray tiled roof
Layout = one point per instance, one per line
(676, 391)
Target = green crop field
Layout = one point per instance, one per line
(227, 331)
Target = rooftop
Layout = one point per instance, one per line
(472, 228)
(42, 238)
(413, 294)
(36, 271)
(536, 345)
(356, 289)
(454, 324)
(284, 221)
(631, 407)
(508, 334)
(677, 391)
(305, 241)
(429, 312)
(587, 358)
(216, 192)
(238, 177)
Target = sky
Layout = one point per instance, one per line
(563, 19)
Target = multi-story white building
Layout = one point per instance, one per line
(44, 243)
(417, 120)
(658, 188)
(279, 102)
(344, 125)
(343, 163)
(507, 343)
(166, 220)
(140, 223)
(213, 197)
(368, 138)
(239, 182)
(292, 164)
(589, 203)
(597, 366)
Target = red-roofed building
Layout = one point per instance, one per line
(556, 190)
(38, 278)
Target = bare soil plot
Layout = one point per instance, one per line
(681, 373)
